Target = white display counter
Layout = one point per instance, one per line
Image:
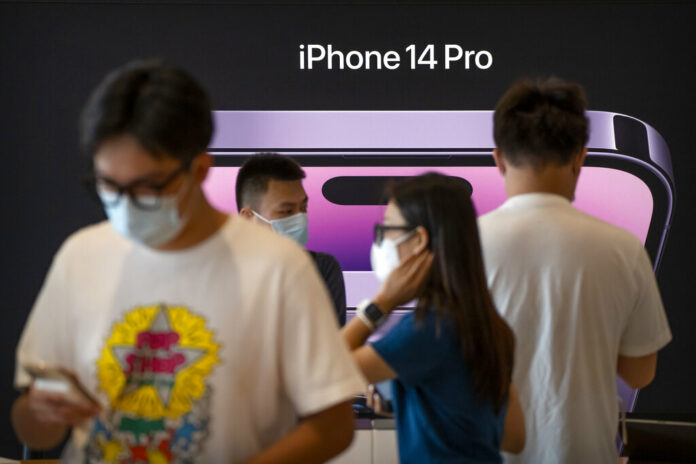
(376, 445)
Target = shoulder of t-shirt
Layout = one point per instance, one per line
(487, 216)
(491, 216)
(601, 230)
(606, 231)
(263, 244)
(99, 236)
(419, 330)
(429, 322)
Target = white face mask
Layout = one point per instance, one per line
(294, 227)
(384, 258)
(149, 228)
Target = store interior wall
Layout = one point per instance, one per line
(635, 59)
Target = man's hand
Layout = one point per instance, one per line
(405, 282)
(56, 409)
(41, 419)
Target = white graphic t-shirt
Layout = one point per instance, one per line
(578, 292)
(208, 354)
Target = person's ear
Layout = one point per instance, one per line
(578, 161)
(499, 161)
(201, 165)
(246, 213)
(422, 239)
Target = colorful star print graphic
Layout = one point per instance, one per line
(156, 361)
(154, 368)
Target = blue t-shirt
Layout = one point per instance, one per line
(439, 418)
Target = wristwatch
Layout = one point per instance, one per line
(371, 315)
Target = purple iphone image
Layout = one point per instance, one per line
(350, 156)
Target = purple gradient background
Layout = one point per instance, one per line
(344, 231)
(614, 196)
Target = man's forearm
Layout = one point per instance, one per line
(316, 439)
(31, 432)
(639, 371)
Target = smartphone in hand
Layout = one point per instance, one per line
(59, 380)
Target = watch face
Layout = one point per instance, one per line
(373, 312)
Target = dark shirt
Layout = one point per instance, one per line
(439, 418)
(331, 272)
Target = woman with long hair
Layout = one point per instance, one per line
(451, 358)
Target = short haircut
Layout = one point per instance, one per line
(541, 121)
(257, 170)
(161, 106)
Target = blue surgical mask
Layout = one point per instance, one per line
(149, 228)
(294, 227)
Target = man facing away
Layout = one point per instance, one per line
(579, 293)
(269, 192)
(204, 337)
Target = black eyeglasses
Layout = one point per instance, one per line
(380, 229)
(145, 196)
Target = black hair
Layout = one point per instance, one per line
(161, 106)
(257, 170)
(541, 121)
(456, 288)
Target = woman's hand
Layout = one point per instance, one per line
(374, 401)
(405, 282)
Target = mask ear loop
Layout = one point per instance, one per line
(183, 217)
(404, 237)
(260, 217)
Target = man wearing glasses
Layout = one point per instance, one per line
(199, 337)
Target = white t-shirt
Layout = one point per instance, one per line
(578, 292)
(208, 354)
